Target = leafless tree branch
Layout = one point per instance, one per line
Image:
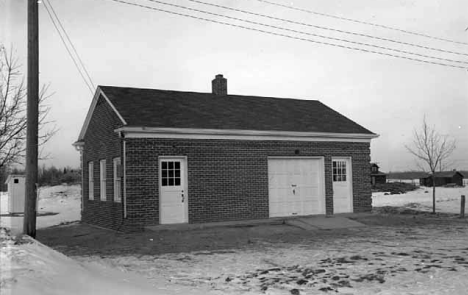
(13, 119)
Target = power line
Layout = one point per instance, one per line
(328, 28)
(71, 43)
(309, 34)
(288, 36)
(66, 47)
(362, 22)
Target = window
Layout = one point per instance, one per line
(170, 173)
(103, 179)
(16, 180)
(91, 180)
(117, 180)
(339, 170)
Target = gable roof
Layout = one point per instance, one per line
(154, 108)
(176, 109)
(11, 176)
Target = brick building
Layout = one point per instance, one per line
(159, 157)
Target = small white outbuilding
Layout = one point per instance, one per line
(16, 193)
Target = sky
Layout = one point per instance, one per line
(123, 45)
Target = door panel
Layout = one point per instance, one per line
(342, 185)
(173, 192)
(295, 186)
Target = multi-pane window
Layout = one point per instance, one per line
(339, 170)
(170, 173)
(91, 180)
(117, 180)
(103, 179)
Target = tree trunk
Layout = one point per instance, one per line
(433, 194)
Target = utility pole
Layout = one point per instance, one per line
(29, 224)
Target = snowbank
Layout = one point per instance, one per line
(29, 267)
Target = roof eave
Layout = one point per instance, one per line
(234, 133)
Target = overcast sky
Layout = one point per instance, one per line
(131, 46)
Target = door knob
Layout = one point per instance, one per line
(183, 197)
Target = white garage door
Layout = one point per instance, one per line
(296, 186)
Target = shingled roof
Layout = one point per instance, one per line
(177, 109)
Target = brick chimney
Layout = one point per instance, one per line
(219, 85)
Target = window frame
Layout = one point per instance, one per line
(339, 171)
(90, 180)
(171, 173)
(103, 179)
(117, 164)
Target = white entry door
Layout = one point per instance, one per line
(296, 186)
(342, 185)
(173, 193)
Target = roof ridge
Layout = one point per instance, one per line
(197, 92)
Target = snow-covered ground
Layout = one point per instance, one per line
(412, 181)
(421, 259)
(57, 204)
(30, 268)
(447, 199)
(386, 261)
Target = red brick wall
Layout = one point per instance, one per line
(228, 180)
(101, 142)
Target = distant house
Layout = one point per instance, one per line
(376, 175)
(154, 157)
(443, 178)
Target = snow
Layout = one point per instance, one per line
(32, 268)
(425, 259)
(412, 181)
(57, 204)
(447, 199)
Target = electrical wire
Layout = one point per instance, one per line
(306, 33)
(287, 36)
(68, 50)
(328, 28)
(70, 42)
(362, 22)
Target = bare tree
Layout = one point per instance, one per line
(13, 111)
(431, 149)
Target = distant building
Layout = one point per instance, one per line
(376, 175)
(442, 178)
